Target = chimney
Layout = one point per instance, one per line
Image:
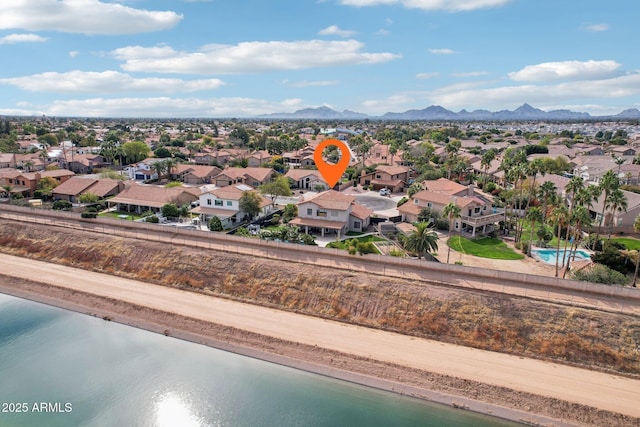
(471, 190)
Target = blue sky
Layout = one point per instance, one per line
(241, 58)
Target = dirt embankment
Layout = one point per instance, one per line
(582, 337)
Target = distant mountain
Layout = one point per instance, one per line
(317, 113)
(632, 113)
(438, 113)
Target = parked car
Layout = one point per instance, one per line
(385, 192)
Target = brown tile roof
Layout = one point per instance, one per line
(152, 196)
(322, 223)
(297, 174)
(444, 186)
(197, 170)
(392, 170)
(103, 187)
(74, 186)
(331, 199)
(361, 212)
(258, 173)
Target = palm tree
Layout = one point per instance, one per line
(608, 183)
(617, 202)
(422, 240)
(534, 214)
(488, 157)
(581, 219)
(636, 227)
(451, 211)
(547, 192)
(575, 185)
(558, 218)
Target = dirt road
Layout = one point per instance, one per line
(596, 389)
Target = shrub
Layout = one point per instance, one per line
(402, 201)
(366, 248)
(396, 253)
(611, 257)
(307, 239)
(215, 224)
(88, 214)
(489, 187)
(275, 219)
(152, 219)
(62, 205)
(599, 273)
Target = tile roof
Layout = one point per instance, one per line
(444, 186)
(149, 195)
(361, 212)
(331, 199)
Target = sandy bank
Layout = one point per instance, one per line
(409, 365)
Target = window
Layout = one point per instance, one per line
(356, 224)
(484, 208)
(209, 201)
(218, 202)
(229, 203)
(415, 201)
(429, 204)
(309, 211)
(476, 210)
(321, 213)
(378, 176)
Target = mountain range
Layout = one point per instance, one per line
(436, 112)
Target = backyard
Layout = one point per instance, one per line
(486, 247)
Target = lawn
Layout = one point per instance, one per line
(484, 248)
(628, 242)
(344, 243)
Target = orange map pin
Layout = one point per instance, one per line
(330, 172)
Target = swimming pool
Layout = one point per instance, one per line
(549, 255)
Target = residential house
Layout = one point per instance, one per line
(332, 212)
(26, 183)
(306, 179)
(224, 203)
(446, 186)
(194, 174)
(623, 219)
(84, 163)
(141, 198)
(250, 176)
(258, 158)
(302, 158)
(76, 186)
(142, 171)
(622, 150)
(477, 214)
(395, 178)
(8, 160)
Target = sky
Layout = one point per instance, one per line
(243, 58)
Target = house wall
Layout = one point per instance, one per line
(331, 214)
(209, 201)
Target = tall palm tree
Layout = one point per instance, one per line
(617, 202)
(451, 211)
(534, 214)
(581, 219)
(608, 183)
(558, 218)
(487, 157)
(422, 240)
(573, 187)
(547, 192)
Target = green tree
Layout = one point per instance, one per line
(88, 198)
(170, 210)
(422, 240)
(608, 183)
(277, 187)
(415, 188)
(215, 224)
(616, 202)
(534, 215)
(290, 212)
(250, 203)
(558, 218)
(488, 157)
(581, 219)
(135, 151)
(548, 193)
(451, 211)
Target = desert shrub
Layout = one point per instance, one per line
(88, 214)
(62, 205)
(599, 273)
(611, 257)
(152, 219)
(396, 253)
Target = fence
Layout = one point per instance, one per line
(458, 275)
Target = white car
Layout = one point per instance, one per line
(385, 192)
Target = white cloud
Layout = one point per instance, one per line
(382, 32)
(449, 5)
(565, 70)
(559, 93)
(442, 51)
(333, 30)
(394, 103)
(74, 53)
(83, 16)
(596, 28)
(425, 76)
(306, 83)
(470, 74)
(21, 38)
(249, 57)
(106, 82)
(161, 107)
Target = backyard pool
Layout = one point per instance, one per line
(549, 255)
